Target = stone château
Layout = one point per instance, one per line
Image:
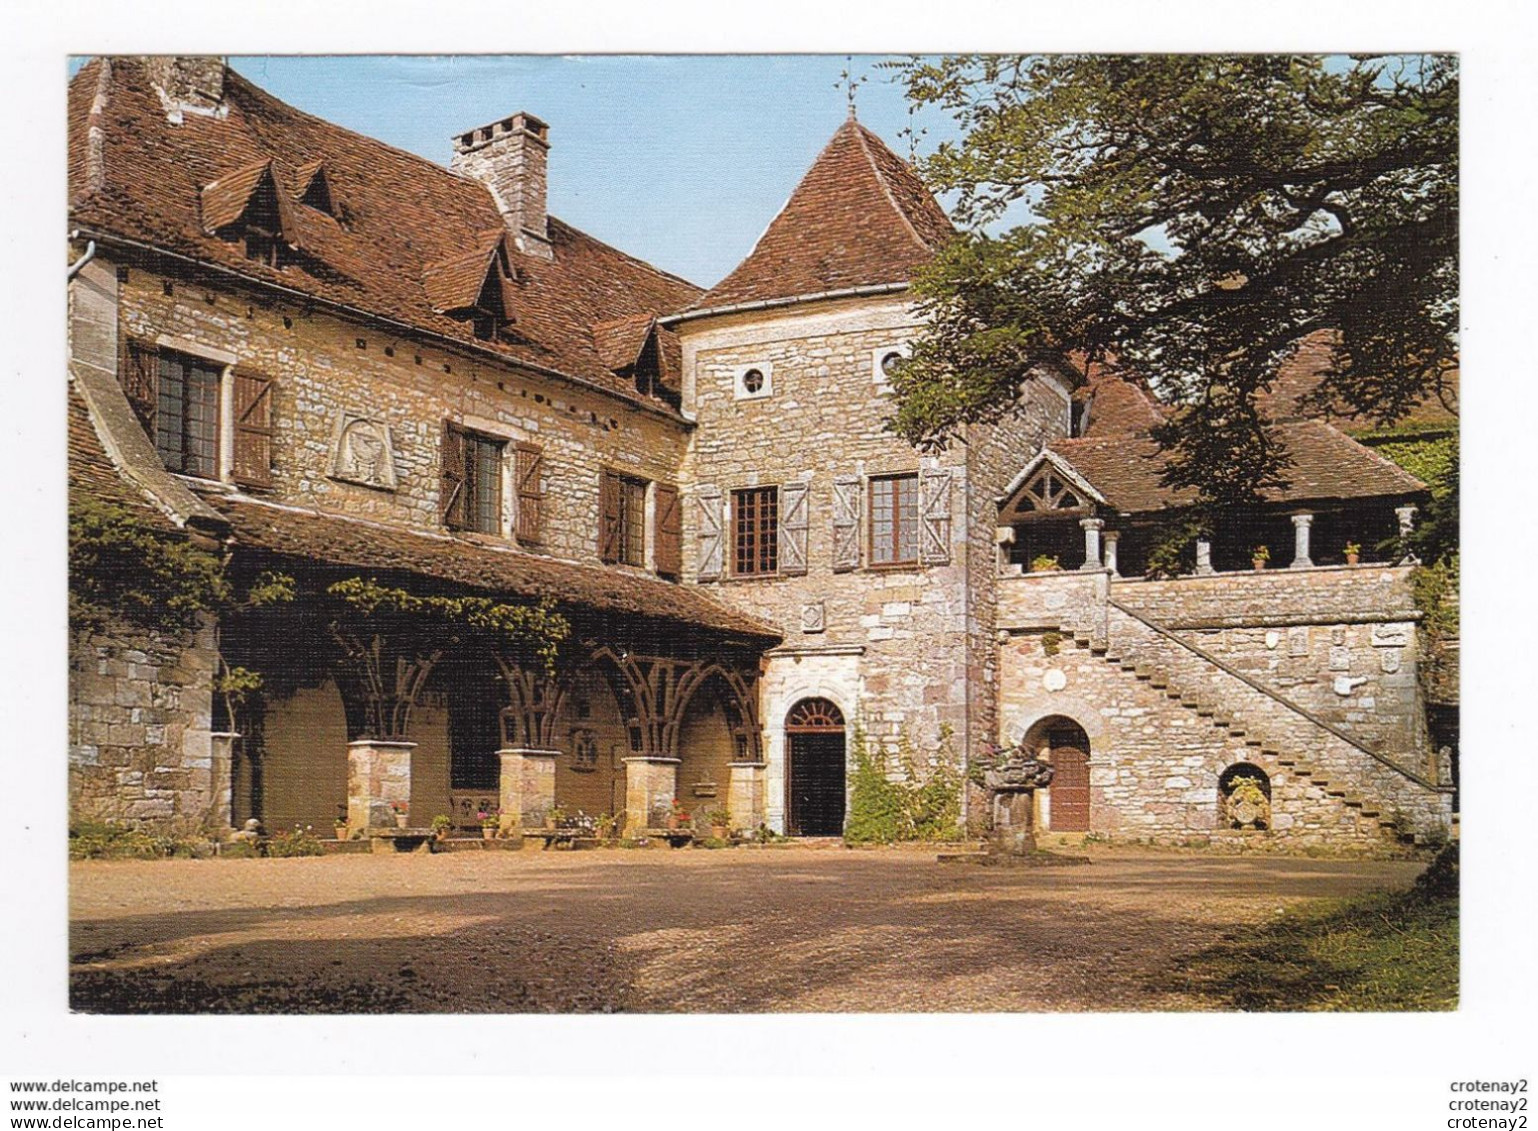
(322, 357)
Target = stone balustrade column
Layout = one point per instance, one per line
(747, 793)
(1301, 524)
(1112, 537)
(526, 791)
(378, 775)
(1092, 528)
(1204, 555)
(651, 784)
(1406, 516)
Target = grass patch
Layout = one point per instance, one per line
(1381, 953)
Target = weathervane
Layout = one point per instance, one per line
(850, 84)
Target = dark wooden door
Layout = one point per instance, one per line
(816, 787)
(1070, 782)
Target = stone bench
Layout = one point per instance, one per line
(571, 838)
(400, 840)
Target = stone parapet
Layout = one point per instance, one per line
(527, 790)
(378, 777)
(651, 784)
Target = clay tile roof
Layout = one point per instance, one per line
(366, 546)
(224, 200)
(619, 340)
(1326, 464)
(93, 474)
(456, 284)
(136, 176)
(1295, 391)
(1116, 404)
(860, 217)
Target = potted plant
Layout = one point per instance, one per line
(490, 820)
(340, 827)
(401, 810)
(442, 823)
(720, 822)
(1045, 563)
(678, 816)
(1260, 556)
(1353, 552)
(554, 817)
(606, 826)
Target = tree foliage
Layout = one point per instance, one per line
(1196, 216)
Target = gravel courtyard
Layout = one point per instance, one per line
(752, 930)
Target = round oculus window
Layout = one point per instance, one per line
(890, 361)
(753, 381)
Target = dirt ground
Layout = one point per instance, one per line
(749, 930)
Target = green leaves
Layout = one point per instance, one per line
(1192, 218)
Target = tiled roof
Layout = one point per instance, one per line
(860, 217)
(135, 175)
(92, 473)
(1294, 392)
(619, 340)
(1326, 464)
(1116, 405)
(367, 546)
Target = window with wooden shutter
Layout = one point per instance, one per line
(935, 517)
(608, 517)
(252, 459)
(846, 523)
(187, 413)
(531, 492)
(793, 528)
(670, 548)
(451, 485)
(755, 531)
(710, 555)
(894, 520)
(137, 376)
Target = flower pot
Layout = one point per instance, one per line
(341, 832)
(1258, 563)
(1351, 559)
(672, 824)
(488, 832)
(400, 820)
(720, 832)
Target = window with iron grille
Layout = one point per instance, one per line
(756, 527)
(483, 483)
(187, 413)
(894, 519)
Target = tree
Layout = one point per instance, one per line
(1195, 217)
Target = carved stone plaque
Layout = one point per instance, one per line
(1389, 659)
(1054, 680)
(1390, 635)
(1340, 658)
(1297, 640)
(362, 452)
(814, 617)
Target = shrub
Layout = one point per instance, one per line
(922, 805)
(300, 842)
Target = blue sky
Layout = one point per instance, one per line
(680, 159)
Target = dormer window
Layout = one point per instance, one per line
(315, 189)
(476, 289)
(247, 206)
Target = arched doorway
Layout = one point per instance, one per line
(1062, 742)
(814, 775)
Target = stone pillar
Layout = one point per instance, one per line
(1300, 530)
(1204, 555)
(746, 794)
(1406, 516)
(1092, 528)
(1111, 538)
(221, 778)
(527, 786)
(378, 773)
(651, 784)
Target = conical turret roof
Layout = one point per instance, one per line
(860, 217)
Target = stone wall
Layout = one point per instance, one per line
(140, 708)
(327, 371)
(1339, 641)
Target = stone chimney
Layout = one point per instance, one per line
(188, 83)
(511, 158)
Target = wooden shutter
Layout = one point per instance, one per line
(846, 523)
(935, 517)
(711, 550)
(138, 374)
(608, 517)
(252, 460)
(531, 492)
(669, 542)
(793, 507)
(451, 483)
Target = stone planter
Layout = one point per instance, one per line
(400, 820)
(720, 832)
(341, 832)
(488, 832)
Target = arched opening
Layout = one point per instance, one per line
(814, 769)
(1244, 797)
(707, 747)
(1062, 743)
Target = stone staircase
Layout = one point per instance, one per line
(1388, 800)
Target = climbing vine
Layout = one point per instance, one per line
(924, 803)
